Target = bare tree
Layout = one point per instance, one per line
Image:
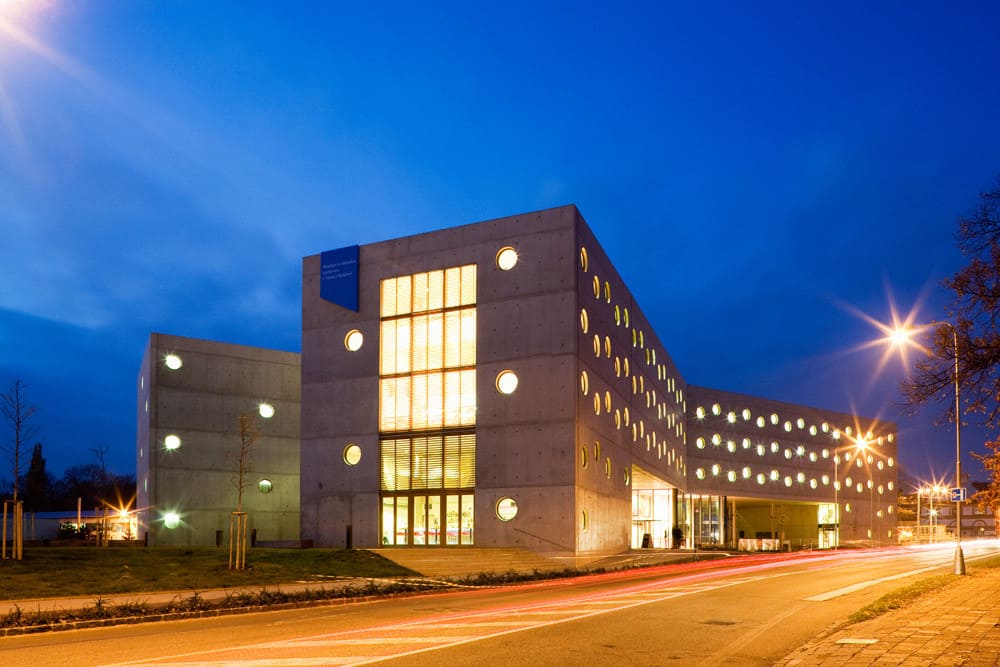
(248, 434)
(15, 409)
(248, 437)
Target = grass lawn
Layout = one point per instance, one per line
(64, 571)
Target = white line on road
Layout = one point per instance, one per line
(829, 595)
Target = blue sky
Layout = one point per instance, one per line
(755, 171)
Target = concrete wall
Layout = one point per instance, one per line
(525, 441)
(200, 403)
(800, 452)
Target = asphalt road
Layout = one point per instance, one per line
(748, 611)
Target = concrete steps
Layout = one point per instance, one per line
(469, 561)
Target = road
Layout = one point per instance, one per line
(750, 610)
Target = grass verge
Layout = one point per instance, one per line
(73, 571)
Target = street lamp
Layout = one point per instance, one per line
(901, 336)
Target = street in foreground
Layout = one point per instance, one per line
(749, 611)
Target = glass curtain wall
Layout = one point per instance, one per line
(427, 407)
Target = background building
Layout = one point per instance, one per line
(190, 395)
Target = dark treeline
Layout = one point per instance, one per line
(92, 483)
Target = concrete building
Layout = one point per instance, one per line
(497, 384)
(190, 396)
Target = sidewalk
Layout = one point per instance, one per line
(957, 625)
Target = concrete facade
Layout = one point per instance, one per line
(777, 464)
(192, 476)
(597, 446)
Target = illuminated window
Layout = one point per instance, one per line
(824, 427)
(775, 447)
(731, 475)
(760, 422)
(812, 483)
(354, 340)
(607, 291)
(700, 473)
(800, 477)
(597, 403)
(607, 346)
(266, 410)
(506, 509)
(746, 443)
(716, 469)
(774, 419)
(584, 259)
(761, 450)
(352, 454)
(265, 486)
(428, 462)
(597, 451)
(173, 362)
(607, 401)
(607, 467)
(699, 412)
(584, 320)
(584, 521)
(584, 383)
(788, 480)
(506, 258)
(746, 414)
(506, 382)
(700, 443)
(618, 316)
(813, 457)
(172, 442)
(774, 475)
(825, 479)
(800, 450)
(731, 417)
(716, 409)
(812, 429)
(597, 287)
(597, 346)
(890, 462)
(584, 462)
(801, 423)
(625, 317)
(788, 426)
(171, 520)
(716, 439)
(746, 472)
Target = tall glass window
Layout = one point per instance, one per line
(427, 405)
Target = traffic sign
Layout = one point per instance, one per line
(958, 494)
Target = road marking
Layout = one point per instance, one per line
(848, 640)
(829, 595)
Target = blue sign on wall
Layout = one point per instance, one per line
(338, 277)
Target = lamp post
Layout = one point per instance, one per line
(901, 336)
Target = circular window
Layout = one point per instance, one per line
(265, 486)
(171, 520)
(172, 442)
(584, 520)
(583, 259)
(584, 383)
(354, 340)
(266, 410)
(352, 454)
(506, 382)
(583, 457)
(607, 467)
(628, 477)
(584, 320)
(506, 509)
(506, 258)
(173, 362)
